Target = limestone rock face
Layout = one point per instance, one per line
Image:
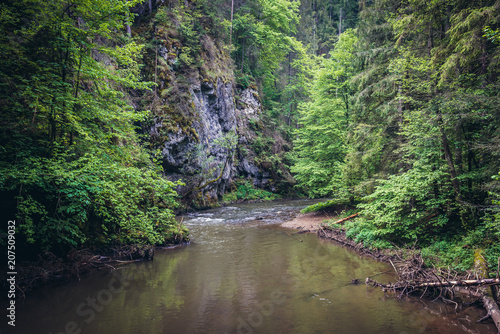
(250, 106)
(203, 125)
(248, 115)
(197, 161)
(200, 160)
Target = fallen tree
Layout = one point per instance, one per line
(438, 284)
(489, 304)
(492, 309)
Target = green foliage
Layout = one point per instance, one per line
(331, 223)
(492, 35)
(245, 81)
(210, 169)
(262, 34)
(493, 220)
(408, 207)
(90, 201)
(410, 124)
(71, 159)
(458, 252)
(322, 20)
(246, 191)
(332, 203)
(319, 206)
(320, 146)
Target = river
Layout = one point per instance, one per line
(242, 273)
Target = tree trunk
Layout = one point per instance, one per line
(492, 309)
(346, 218)
(458, 147)
(242, 54)
(429, 41)
(231, 27)
(340, 22)
(489, 304)
(129, 29)
(156, 68)
(449, 159)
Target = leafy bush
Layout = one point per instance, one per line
(332, 203)
(319, 206)
(246, 191)
(71, 166)
(91, 202)
(458, 252)
(245, 81)
(406, 208)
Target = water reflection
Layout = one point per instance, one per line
(241, 276)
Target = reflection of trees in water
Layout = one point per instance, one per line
(151, 294)
(264, 280)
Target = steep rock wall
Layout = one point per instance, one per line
(200, 120)
(200, 160)
(248, 115)
(222, 150)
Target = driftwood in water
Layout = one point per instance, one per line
(346, 218)
(492, 309)
(414, 276)
(489, 304)
(441, 284)
(481, 270)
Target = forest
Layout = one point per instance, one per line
(389, 106)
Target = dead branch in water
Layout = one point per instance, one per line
(439, 284)
(445, 286)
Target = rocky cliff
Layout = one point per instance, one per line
(200, 159)
(202, 123)
(222, 149)
(248, 116)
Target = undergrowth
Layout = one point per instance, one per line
(454, 252)
(244, 190)
(443, 249)
(331, 204)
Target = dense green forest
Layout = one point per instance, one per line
(391, 106)
(402, 120)
(73, 171)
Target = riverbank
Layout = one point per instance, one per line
(49, 269)
(309, 222)
(312, 222)
(414, 277)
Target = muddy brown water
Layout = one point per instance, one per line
(242, 273)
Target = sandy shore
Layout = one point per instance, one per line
(308, 221)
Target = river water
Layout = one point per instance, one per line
(242, 273)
